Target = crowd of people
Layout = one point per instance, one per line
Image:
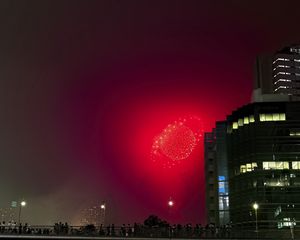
(13, 228)
(135, 230)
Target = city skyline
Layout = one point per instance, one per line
(87, 87)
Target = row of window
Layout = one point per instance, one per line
(281, 66)
(281, 87)
(284, 66)
(285, 73)
(282, 80)
(281, 59)
(286, 222)
(285, 59)
(263, 117)
(281, 73)
(267, 117)
(248, 167)
(295, 165)
(295, 133)
(275, 165)
(243, 121)
(295, 49)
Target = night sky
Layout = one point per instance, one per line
(85, 86)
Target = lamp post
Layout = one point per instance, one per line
(170, 205)
(255, 207)
(103, 207)
(22, 204)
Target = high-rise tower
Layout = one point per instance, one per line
(278, 74)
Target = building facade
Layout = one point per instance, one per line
(255, 153)
(278, 74)
(216, 175)
(93, 215)
(263, 150)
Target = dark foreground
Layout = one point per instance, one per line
(62, 231)
(12, 237)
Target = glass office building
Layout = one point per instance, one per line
(263, 152)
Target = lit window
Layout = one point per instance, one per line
(269, 117)
(276, 117)
(246, 120)
(295, 133)
(296, 165)
(251, 118)
(282, 117)
(221, 178)
(275, 165)
(235, 125)
(269, 165)
(240, 122)
(262, 117)
(297, 60)
(249, 167)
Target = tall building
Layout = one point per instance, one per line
(216, 175)
(92, 215)
(211, 177)
(8, 214)
(263, 151)
(256, 151)
(278, 74)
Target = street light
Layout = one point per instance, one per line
(22, 204)
(170, 204)
(103, 207)
(255, 207)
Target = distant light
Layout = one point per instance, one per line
(102, 206)
(171, 203)
(255, 206)
(23, 203)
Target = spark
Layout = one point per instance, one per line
(177, 141)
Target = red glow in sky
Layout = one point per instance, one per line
(176, 142)
(174, 170)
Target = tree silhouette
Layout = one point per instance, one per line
(155, 221)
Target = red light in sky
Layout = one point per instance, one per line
(170, 203)
(177, 141)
